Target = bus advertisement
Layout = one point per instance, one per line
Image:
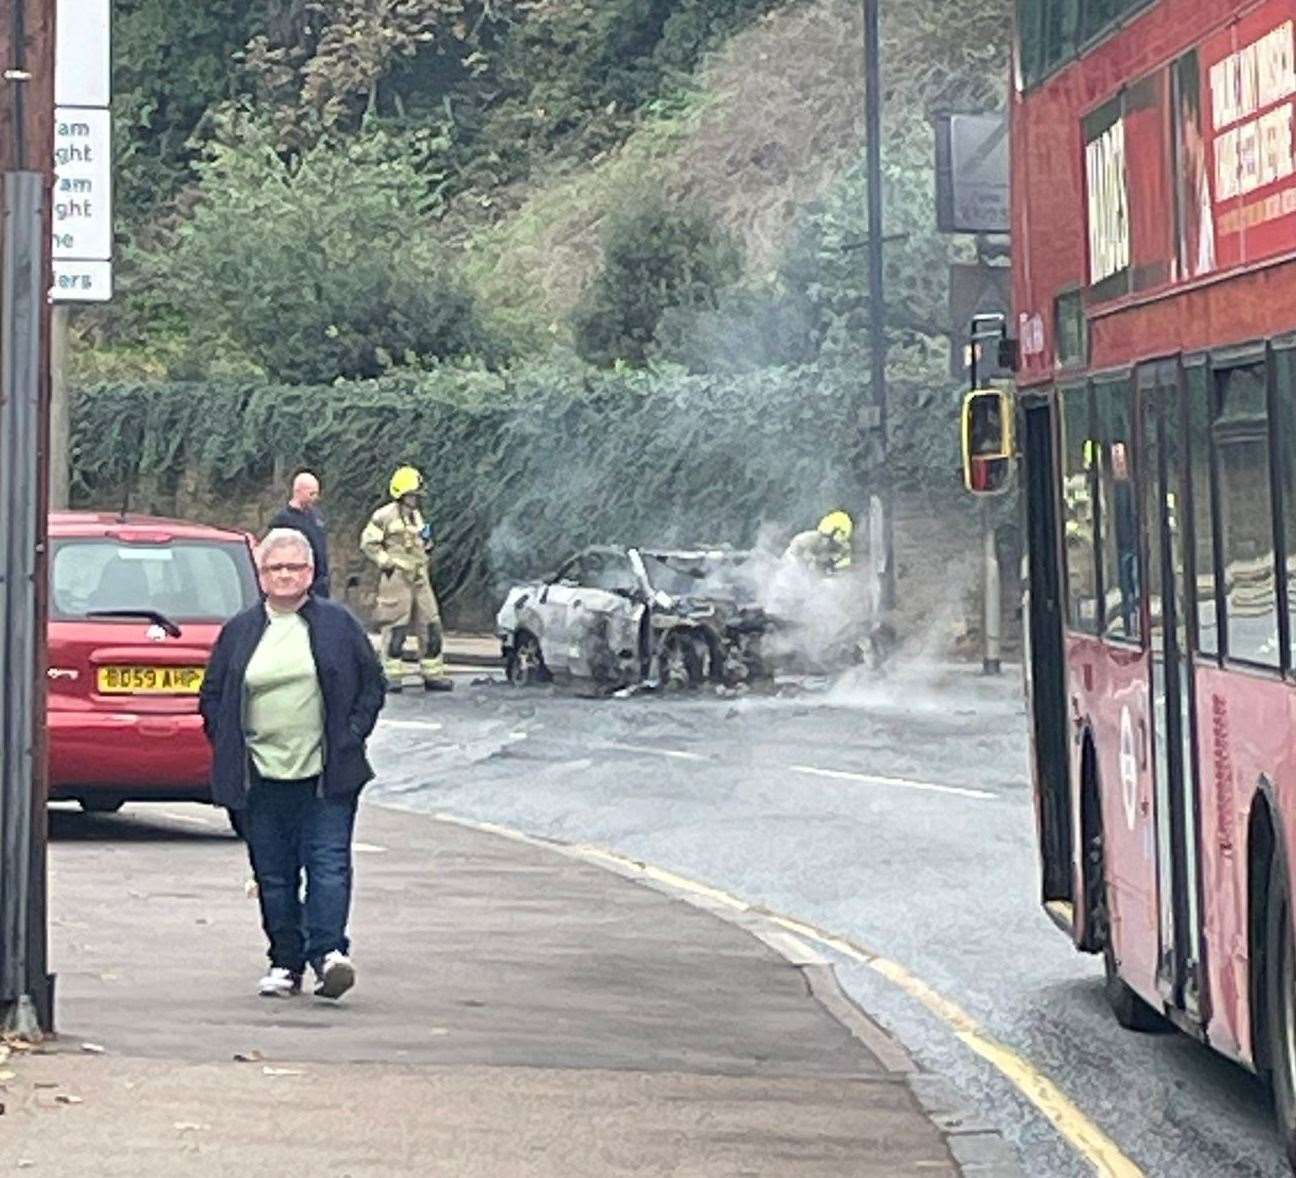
(1154, 257)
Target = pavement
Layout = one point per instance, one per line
(519, 1010)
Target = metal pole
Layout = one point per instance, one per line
(991, 661)
(877, 299)
(26, 163)
(22, 298)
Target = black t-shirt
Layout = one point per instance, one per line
(310, 525)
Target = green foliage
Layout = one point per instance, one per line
(171, 63)
(319, 268)
(655, 257)
(522, 466)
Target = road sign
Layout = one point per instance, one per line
(82, 184)
(972, 174)
(83, 56)
(83, 210)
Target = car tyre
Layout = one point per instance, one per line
(1280, 1005)
(101, 805)
(682, 663)
(525, 665)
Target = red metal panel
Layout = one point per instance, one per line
(1178, 232)
(1109, 689)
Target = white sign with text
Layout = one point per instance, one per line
(82, 184)
(82, 213)
(82, 53)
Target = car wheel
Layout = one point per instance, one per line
(1130, 1010)
(1280, 998)
(101, 805)
(681, 663)
(526, 665)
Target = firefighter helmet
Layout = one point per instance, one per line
(406, 481)
(838, 525)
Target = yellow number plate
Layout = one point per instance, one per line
(150, 680)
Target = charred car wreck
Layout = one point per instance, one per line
(626, 617)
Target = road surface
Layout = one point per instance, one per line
(896, 813)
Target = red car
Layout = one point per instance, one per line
(135, 607)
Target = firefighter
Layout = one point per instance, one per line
(399, 541)
(827, 549)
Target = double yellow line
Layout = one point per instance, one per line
(1054, 1105)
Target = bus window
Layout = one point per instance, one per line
(1285, 365)
(1061, 18)
(1203, 527)
(1079, 475)
(1241, 430)
(1119, 513)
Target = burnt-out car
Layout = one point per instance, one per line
(623, 617)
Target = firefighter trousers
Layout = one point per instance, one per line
(407, 607)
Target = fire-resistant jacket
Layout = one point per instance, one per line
(394, 538)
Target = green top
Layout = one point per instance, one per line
(283, 708)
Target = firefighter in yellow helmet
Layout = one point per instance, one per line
(827, 549)
(399, 541)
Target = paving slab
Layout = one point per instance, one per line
(517, 1012)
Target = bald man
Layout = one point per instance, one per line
(302, 514)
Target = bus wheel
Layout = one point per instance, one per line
(1130, 1010)
(1280, 991)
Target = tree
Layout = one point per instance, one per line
(655, 257)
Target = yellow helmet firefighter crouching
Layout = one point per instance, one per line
(827, 549)
(399, 541)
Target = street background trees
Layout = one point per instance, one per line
(647, 212)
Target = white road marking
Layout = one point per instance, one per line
(189, 818)
(424, 725)
(368, 849)
(675, 754)
(897, 782)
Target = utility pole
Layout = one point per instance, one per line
(26, 178)
(877, 299)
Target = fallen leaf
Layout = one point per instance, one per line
(67, 1098)
(25, 1163)
(191, 1127)
(93, 1048)
(280, 1072)
(253, 1056)
(45, 1084)
(5, 1077)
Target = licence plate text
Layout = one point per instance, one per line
(150, 680)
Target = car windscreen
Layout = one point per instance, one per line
(695, 576)
(186, 580)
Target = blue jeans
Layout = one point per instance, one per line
(291, 830)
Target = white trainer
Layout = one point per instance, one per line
(336, 975)
(279, 983)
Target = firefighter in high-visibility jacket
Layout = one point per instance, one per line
(399, 541)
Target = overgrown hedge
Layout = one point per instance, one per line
(521, 467)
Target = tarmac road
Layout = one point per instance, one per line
(897, 813)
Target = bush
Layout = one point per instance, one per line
(316, 268)
(522, 466)
(655, 257)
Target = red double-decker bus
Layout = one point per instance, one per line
(1154, 222)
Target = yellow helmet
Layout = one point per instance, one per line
(838, 525)
(406, 481)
